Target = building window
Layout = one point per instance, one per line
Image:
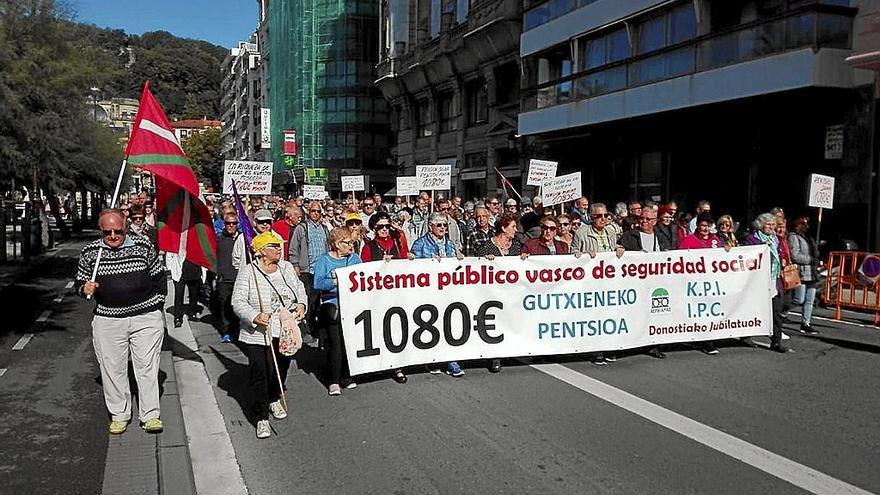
(475, 160)
(423, 118)
(448, 112)
(477, 103)
(461, 10)
(435, 18)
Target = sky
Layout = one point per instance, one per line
(222, 22)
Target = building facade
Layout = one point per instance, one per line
(450, 71)
(242, 102)
(320, 83)
(734, 101)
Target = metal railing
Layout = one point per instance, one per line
(755, 40)
(851, 282)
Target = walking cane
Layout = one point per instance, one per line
(268, 339)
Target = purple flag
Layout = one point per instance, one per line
(244, 222)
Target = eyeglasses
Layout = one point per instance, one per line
(548, 227)
(564, 224)
(273, 246)
(314, 211)
(354, 222)
(493, 203)
(348, 242)
(264, 222)
(444, 225)
(135, 218)
(648, 219)
(109, 232)
(600, 215)
(446, 208)
(231, 223)
(368, 205)
(380, 226)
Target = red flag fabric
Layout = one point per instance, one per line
(184, 223)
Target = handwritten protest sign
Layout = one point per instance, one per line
(821, 191)
(561, 189)
(352, 182)
(434, 177)
(402, 313)
(315, 192)
(539, 170)
(407, 186)
(249, 177)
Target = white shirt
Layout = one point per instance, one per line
(649, 242)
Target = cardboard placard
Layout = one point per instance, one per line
(561, 189)
(352, 183)
(539, 170)
(434, 177)
(250, 177)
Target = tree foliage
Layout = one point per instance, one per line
(48, 65)
(204, 151)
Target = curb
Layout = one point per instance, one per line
(140, 463)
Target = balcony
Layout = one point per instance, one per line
(812, 28)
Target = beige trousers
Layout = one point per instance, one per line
(114, 339)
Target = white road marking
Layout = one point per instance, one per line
(23, 341)
(2, 371)
(69, 285)
(215, 467)
(795, 473)
(842, 322)
(44, 315)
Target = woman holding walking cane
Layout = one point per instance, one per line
(270, 300)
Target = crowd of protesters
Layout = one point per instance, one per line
(307, 240)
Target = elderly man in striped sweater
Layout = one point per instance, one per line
(129, 290)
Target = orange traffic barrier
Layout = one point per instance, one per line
(851, 282)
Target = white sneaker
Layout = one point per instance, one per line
(335, 389)
(263, 429)
(277, 409)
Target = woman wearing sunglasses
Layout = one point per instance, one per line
(341, 254)
(388, 244)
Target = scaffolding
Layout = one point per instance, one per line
(321, 69)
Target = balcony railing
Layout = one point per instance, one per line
(790, 32)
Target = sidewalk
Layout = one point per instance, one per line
(139, 463)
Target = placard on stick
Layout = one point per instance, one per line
(352, 183)
(821, 191)
(540, 170)
(250, 177)
(315, 192)
(434, 177)
(558, 190)
(408, 186)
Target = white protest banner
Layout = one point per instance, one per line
(560, 189)
(407, 186)
(249, 177)
(315, 192)
(402, 313)
(821, 191)
(352, 182)
(540, 170)
(434, 177)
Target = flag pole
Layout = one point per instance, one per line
(112, 203)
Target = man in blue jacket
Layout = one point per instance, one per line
(437, 244)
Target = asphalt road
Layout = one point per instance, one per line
(794, 423)
(52, 416)
(745, 421)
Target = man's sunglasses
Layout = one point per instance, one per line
(231, 223)
(601, 215)
(548, 227)
(109, 232)
(440, 224)
(264, 221)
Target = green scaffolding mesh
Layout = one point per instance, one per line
(321, 57)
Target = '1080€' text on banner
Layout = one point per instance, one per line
(403, 313)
